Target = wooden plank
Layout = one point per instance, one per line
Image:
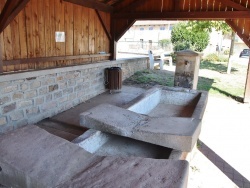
(234, 5)
(131, 7)
(52, 34)
(59, 25)
(85, 30)
(238, 30)
(177, 5)
(15, 37)
(93, 5)
(16, 7)
(69, 32)
(6, 12)
(206, 15)
(247, 86)
(119, 33)
(91, 31)
(77, 30)
(53, 58)
(23, 38)
(101, 19)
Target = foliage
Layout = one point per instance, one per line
(209, 25)
(226, 52)
(183, 37)
(164, 42)
(183, 45)
(213, 57)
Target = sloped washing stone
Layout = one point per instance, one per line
(173, 132)
(32, 157)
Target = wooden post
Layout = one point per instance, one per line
(113, 42)
(1, 56)
(247, 86)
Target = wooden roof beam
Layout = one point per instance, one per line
(132, 6)
(239, 32)
(10, 11)
(92, 4)
(123, 30)
(103, 24)
(214, 15)
(234, 5)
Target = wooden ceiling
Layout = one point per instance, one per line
(124, 13)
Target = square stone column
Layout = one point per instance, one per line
(187, 69)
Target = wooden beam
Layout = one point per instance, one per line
(92, 4)
(234, 5)
(238, 31)
(208, 15)
(1, 56)
(247, 86)
(53, 58)
(131, 7)
(124, 29)
(10, 11)
(104, 26)
(113, 42)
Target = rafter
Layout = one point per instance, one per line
(124, 29)
(10, 11)
(103, 24)
(132, 6)
(215, 15)
(239, 32)
(234, 5)
(92, 4)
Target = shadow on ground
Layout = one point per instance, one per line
(219, 67)
(225, 167)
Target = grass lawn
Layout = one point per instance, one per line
(212, 78)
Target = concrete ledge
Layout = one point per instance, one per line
(31, 157)
(174, 132)
(36, 73)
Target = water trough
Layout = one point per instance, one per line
(160, 119)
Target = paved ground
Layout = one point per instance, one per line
(223, 155)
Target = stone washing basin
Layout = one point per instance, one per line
(168, 117)
(106, 144)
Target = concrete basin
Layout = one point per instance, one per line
(106, 144)
(168, 117)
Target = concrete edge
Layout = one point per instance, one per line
(36, 73)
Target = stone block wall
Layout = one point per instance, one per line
(28, 97)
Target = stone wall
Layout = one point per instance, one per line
(28, 97)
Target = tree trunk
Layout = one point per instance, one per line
(231, 51)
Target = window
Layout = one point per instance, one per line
(150, 28)
(162, 28)
(141, 28)
(171, 27)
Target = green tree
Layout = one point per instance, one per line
(185, 36)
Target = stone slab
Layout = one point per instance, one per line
(174, 132)
(32, 157)
(113, 172)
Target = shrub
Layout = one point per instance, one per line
(215, 57)
(183, 36)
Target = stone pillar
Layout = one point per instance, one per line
(187, 69)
